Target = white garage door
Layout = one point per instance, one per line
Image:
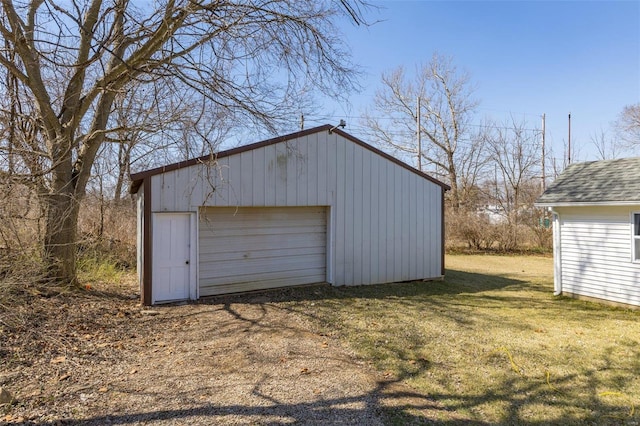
(253, 248)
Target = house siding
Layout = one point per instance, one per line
(595, 253)
(385, 223)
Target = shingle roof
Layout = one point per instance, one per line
(596, 182)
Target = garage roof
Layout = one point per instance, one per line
(137, 178)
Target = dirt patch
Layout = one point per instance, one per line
(97, 357)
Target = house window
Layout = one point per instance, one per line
(635, 242)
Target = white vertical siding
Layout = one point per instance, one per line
(365, 226)
(385, 220)
(595, 253)
(312, 171)
(269, 187)
(246, 179)
(280, 168)
(374, 229)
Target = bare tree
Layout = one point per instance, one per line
(72, 60)
(607, 147)
(152, 127)
(17, 201)
(515, 150)
(628, 126)
(447, 107)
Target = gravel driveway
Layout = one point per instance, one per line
(95, 360)
(244, 363)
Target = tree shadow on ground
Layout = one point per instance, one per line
(390, 404)
(450, 296)
(391, 400)
(323, 412)
(456, 282)
(520, 395)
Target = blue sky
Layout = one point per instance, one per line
(525, 58)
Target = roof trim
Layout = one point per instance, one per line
(138, 178)
(589, 203)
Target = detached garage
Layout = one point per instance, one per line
(313, 206)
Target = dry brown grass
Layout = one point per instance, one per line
(493, 345)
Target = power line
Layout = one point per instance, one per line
(331, 119)
(531, 114)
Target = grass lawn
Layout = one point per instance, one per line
(491, 344)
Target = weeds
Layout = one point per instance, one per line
(94, 269)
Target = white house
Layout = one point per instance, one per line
(596, 230)
(313, 206)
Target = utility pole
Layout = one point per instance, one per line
(544, 185)
(569, 149)
(418, 134)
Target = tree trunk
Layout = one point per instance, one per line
(60, 239)
(453, 194)
(124, 165)
(453, 182)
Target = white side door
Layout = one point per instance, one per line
(172, 260)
